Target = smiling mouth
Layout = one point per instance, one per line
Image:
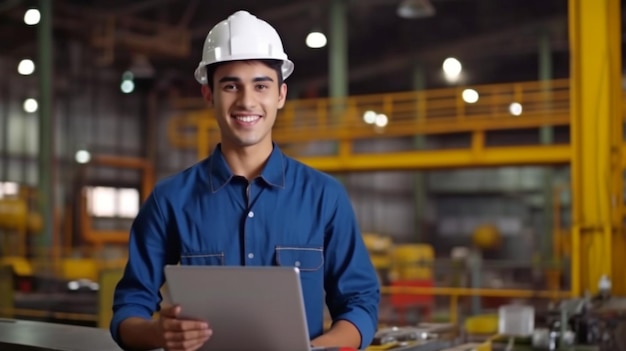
(247, 119)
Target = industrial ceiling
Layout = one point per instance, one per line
(496, 40)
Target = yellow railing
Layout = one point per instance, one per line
(456, 293)
(543, 103)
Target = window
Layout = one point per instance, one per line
(112, 202)
(8, 189)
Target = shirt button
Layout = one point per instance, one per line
(297, 263)
(250, 255)
(250, 214)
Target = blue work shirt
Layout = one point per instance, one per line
(291, 215)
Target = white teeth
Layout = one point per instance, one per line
(247, 119)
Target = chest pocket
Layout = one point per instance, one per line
(202, 258)
(304, 258)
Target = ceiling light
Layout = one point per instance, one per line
(381, 120)
(30, 105)
(413, 9)
(316, 40)
(127, 86)
(369, 117)
(452, 69)
(470, 96)
(32, 17)
(82, 156)
(515, 109)
(26, 67)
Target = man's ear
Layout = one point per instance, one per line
(282, 95)
(207, 94)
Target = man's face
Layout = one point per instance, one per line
(246, 98)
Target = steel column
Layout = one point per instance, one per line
(420, 188)
(338, 49)
(596, 144)
(546, 136)
(46, 130)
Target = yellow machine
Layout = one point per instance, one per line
(379, 248)
(413, 262)
(486, 237)
(17, 220)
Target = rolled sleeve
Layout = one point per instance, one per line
(362, 320)
(149, 249)
(124, 312)
(352, 287)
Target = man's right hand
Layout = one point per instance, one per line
(182, 334)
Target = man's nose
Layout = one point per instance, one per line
(246, 98)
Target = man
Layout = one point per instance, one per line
(247, 204)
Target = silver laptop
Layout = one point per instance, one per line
(248, 308)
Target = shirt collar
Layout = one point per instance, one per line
(220, 173)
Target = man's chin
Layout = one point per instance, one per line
(245, 143)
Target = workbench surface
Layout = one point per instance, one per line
(20, 335)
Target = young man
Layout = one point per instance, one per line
(247, 204)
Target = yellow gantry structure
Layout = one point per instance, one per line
(303, 123)
(589, 102)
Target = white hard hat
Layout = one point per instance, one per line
(242, 36)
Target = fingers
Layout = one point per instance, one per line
(179, 325)
(187, 341)
(182, 334)
(188, 334)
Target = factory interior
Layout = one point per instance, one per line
(480, 142)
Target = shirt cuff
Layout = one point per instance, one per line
(121, 314)
(363, 323)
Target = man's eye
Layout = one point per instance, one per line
(261, 87)
(230, 87)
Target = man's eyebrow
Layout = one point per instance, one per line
(263, 79)
(237, 79)
(229, 79)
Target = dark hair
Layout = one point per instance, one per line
(276, 65)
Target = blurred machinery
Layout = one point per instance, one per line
(403, 265)
(598, 321)
(412, 268)
(18, 222)
(421, 337)
(62, 282)
(380, 249)
(589, 324)
(486, 237)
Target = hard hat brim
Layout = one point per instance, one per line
(200, 73)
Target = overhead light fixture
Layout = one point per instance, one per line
(316, 40)
(452, 69)
(470, 96)
(82, 156)
(26, 67)
(516, 109)
(32, 17)
(369, 117)
(30, 105)
(414, 9)
(127, 86)
(381, 120)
